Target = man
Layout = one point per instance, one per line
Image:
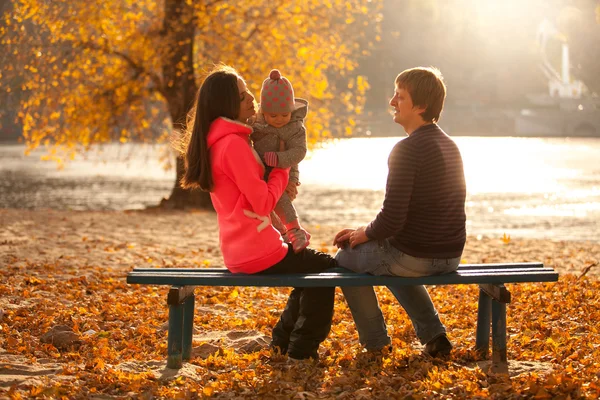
(420, 229)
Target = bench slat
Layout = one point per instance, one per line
(334, 279)
(461, 267)
(331, 272)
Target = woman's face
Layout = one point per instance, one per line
(247, 106)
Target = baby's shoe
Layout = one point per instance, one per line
(297, 236)
(300, 239)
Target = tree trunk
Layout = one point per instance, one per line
(180, 91)
(181, 198)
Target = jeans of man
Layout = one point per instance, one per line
(379, 257)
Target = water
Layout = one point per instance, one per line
(524, 187)
(111, 177)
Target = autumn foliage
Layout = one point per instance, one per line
(555, 323)
(68, 269)
(99, 71)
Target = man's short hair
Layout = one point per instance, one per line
(426, 88)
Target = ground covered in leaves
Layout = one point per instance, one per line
(71, 327)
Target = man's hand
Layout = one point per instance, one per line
(353, 237)
(292, 189)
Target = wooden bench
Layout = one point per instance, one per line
(493, 296)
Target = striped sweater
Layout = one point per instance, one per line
(423, 212)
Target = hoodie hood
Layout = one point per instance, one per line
(301, 109)
(222, 127)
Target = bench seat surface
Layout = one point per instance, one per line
(466, 274)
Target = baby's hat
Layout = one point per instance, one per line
(277, 94)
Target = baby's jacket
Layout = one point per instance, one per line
(266, 138)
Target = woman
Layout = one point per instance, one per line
(219, 159)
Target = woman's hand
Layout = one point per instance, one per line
(353, 237)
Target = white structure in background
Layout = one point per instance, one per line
(559, 85)
(567, 109)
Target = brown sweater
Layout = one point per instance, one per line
(423, 212)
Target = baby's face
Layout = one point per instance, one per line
(277, 119)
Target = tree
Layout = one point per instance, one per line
(99, 71)
(11, 96)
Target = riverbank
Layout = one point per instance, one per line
(120, 240)
(65, 270)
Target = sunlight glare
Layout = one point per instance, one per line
(492, 165)
(509, 165)
(507, 13)
(359, 163)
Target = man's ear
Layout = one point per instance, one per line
(420, 109)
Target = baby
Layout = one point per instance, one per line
(279, 138)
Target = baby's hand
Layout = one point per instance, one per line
(271, 158)
(292, 189)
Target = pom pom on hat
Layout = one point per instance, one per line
(277, 94)
(275, 74)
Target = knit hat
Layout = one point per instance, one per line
(277, 94)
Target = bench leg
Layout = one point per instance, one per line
(499, 358)
(188, 327)
(175, 336)
(482, 338)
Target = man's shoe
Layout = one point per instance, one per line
(439, 346)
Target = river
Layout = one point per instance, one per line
(524, 187)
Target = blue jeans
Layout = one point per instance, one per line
(379, 257)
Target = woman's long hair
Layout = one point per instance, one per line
(218, 97)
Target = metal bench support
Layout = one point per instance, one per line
(482, 336)
(188, 327)
(499, 359)
(181, 324)
(175, 336)
(492, 309)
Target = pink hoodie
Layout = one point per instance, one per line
(243, 201)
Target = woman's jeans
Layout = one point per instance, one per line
(306, 320)
(379, 257)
